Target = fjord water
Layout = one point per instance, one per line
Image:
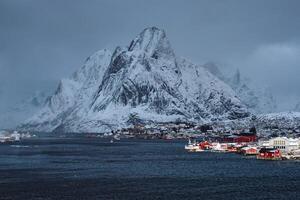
(93, 168)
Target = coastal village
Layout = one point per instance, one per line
(13, 136)
(278, 148)
(270, 143)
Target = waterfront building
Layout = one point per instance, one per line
(240, 138)
(269, 154)
(284, 144)
(249, 150)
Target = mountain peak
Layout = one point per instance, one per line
(153, 42)
(146, 78)
(236, 78)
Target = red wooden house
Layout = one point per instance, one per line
(240, 138)
(205, 145)
(269, 154)
(249, 150)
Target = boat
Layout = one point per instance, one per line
(219, 147)
(193, 146)
(198, 146)
(294, 155)
(116, 137)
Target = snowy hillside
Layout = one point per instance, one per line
(145, 78)
(281, 121)
(12, 116)
(258, 100)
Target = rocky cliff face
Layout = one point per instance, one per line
(145, 78)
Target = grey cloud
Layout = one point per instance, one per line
(42, 41)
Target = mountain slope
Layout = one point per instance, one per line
(258, 100)
(281, 120)
(11, 116)
(145, 78)
(72, 94)
(264, 122)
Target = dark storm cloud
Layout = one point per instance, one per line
(42, 41)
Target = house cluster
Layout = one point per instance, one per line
(288, 148)
(185, 130)
(6, 136)
(13, 136)
(278, 148)
(165, 130)
(270, 143)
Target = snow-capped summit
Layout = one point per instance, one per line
(153, 42)
(146, 79)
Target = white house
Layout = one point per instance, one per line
(284, 144)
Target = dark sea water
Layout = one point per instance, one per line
(91, 168)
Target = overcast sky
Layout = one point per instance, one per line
(43, 41)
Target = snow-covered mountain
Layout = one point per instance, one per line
(145, 78)
(12, 116)
(280, 120)
(297, 107)
(258, 100)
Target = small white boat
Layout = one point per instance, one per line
(217, 147)
(117, 137)
(193, 147)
